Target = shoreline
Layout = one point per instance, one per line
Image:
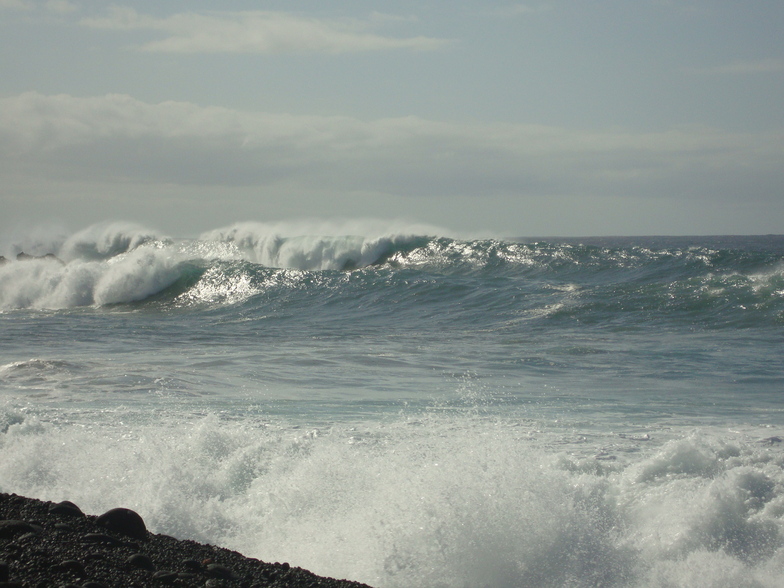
(45, 544)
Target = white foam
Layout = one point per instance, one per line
(136, 275)
(105, 240)
(440, 501)
(50, 284)
(316, 245)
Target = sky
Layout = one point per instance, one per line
(551, 118)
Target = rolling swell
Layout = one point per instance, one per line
(712, 282)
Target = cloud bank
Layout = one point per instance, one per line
(118, 138)
(262, 32)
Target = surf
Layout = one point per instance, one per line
(432, 499)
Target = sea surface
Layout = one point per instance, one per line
(407, 408)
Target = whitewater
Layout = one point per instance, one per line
(405, 407)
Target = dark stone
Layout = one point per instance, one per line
(101, 538)
(165, 576)
(125, 522)
(141, 561)
(10, 528)
(66, 507)
(192, 564)
(73, 566)
(94, 556)
(28, 536)
(219, 571)
(92, 584)
(3, 571)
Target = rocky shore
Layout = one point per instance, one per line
(43, 544)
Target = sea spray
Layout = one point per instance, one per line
(283, 245)
(435, 500)
(106, 240)
(49, 283)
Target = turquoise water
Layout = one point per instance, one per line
(407, 409)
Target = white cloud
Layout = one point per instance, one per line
(257, 32)
(118, 138)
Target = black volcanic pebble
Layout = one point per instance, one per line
(11, 528)
(66, 507)
(73, 566)
(219, 571)
(101, 538)
(32, 535)
(165, 577)
(123, 521)
(141, 561)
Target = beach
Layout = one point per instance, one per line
(48, 544)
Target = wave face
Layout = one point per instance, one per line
(731, 281)
(406, 408)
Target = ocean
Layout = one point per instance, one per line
(405, 407)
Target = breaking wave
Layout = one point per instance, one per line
(729, 281)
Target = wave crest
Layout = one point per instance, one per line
(312, 247)
(103, 241)
(48, 283)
